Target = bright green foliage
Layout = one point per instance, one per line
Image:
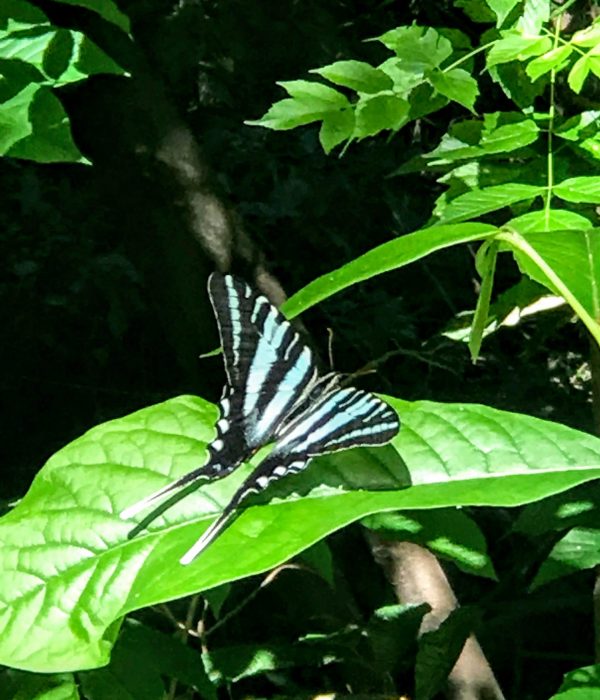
(19, 685)
(35, 57)
(582, 684)
(74, 573)
(387, 96)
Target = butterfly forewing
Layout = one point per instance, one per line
(269, 368)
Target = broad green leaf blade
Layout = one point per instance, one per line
(514, 46)
(579, 189)
(502, 8)
(582, 684)
(579, 73)
(356, 75)
(479, 202)
(578, 550)
(568, 263)
(456, 85)
(556, 58)
(70, 573)
(392, 632)
(383, 258)
(336, 127)
(448, 532)
(375, 113)
(549, 220)
(420, 48)
(588, 37)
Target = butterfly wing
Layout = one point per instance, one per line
(269, 370)
(340, 419)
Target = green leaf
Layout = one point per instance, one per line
(107, 9)
(556, 58)
(383, 258)
(549, 220)
(309, 102)
(356, 75)
(439, 650)
(501, 8)
(14, 118)
(392, 632)
(70, 574)
(32, 686)
(375, 113)
(139, 661)
(472, 139)
(579, 189)
(567, 263)
(448, 532)
(578, 550)
(582, 684)
(535, 14)
(49, 139)
(420, 48)
(486, 266)
(579, 73)
(479, 202)
(457, 85)
(319, 559)
(513, 46)
(477, 10)
(405, 77)
(588, 37)
(336, 127)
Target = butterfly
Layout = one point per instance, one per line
(274, 394)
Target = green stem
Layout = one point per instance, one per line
(479, 49)
(550, 156)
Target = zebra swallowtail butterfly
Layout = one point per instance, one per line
(273, 394)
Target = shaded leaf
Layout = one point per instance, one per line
(448, 532)
(578, 550)
(502, 8)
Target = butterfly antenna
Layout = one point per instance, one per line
(330, 347)
(138, 507)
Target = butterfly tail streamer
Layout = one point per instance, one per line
(203, 472)
(211, 533)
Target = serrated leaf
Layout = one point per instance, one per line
(404, 77)
(70, 574)
(478, 202)
(535, 14)
(420, 48)
(456, 85)
(579, 189)
(448, 532)
(376, 113)
(513, 46)
(555, 58)
(309, 102)
(356, 75)
(581, 684)
(549, 220)
(501, 8)
(336, 128)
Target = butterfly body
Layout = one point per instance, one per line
(274, 394)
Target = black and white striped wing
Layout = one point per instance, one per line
(269, 371)
(269, 368)
(339, 420)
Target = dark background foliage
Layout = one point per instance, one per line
(82, 341)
